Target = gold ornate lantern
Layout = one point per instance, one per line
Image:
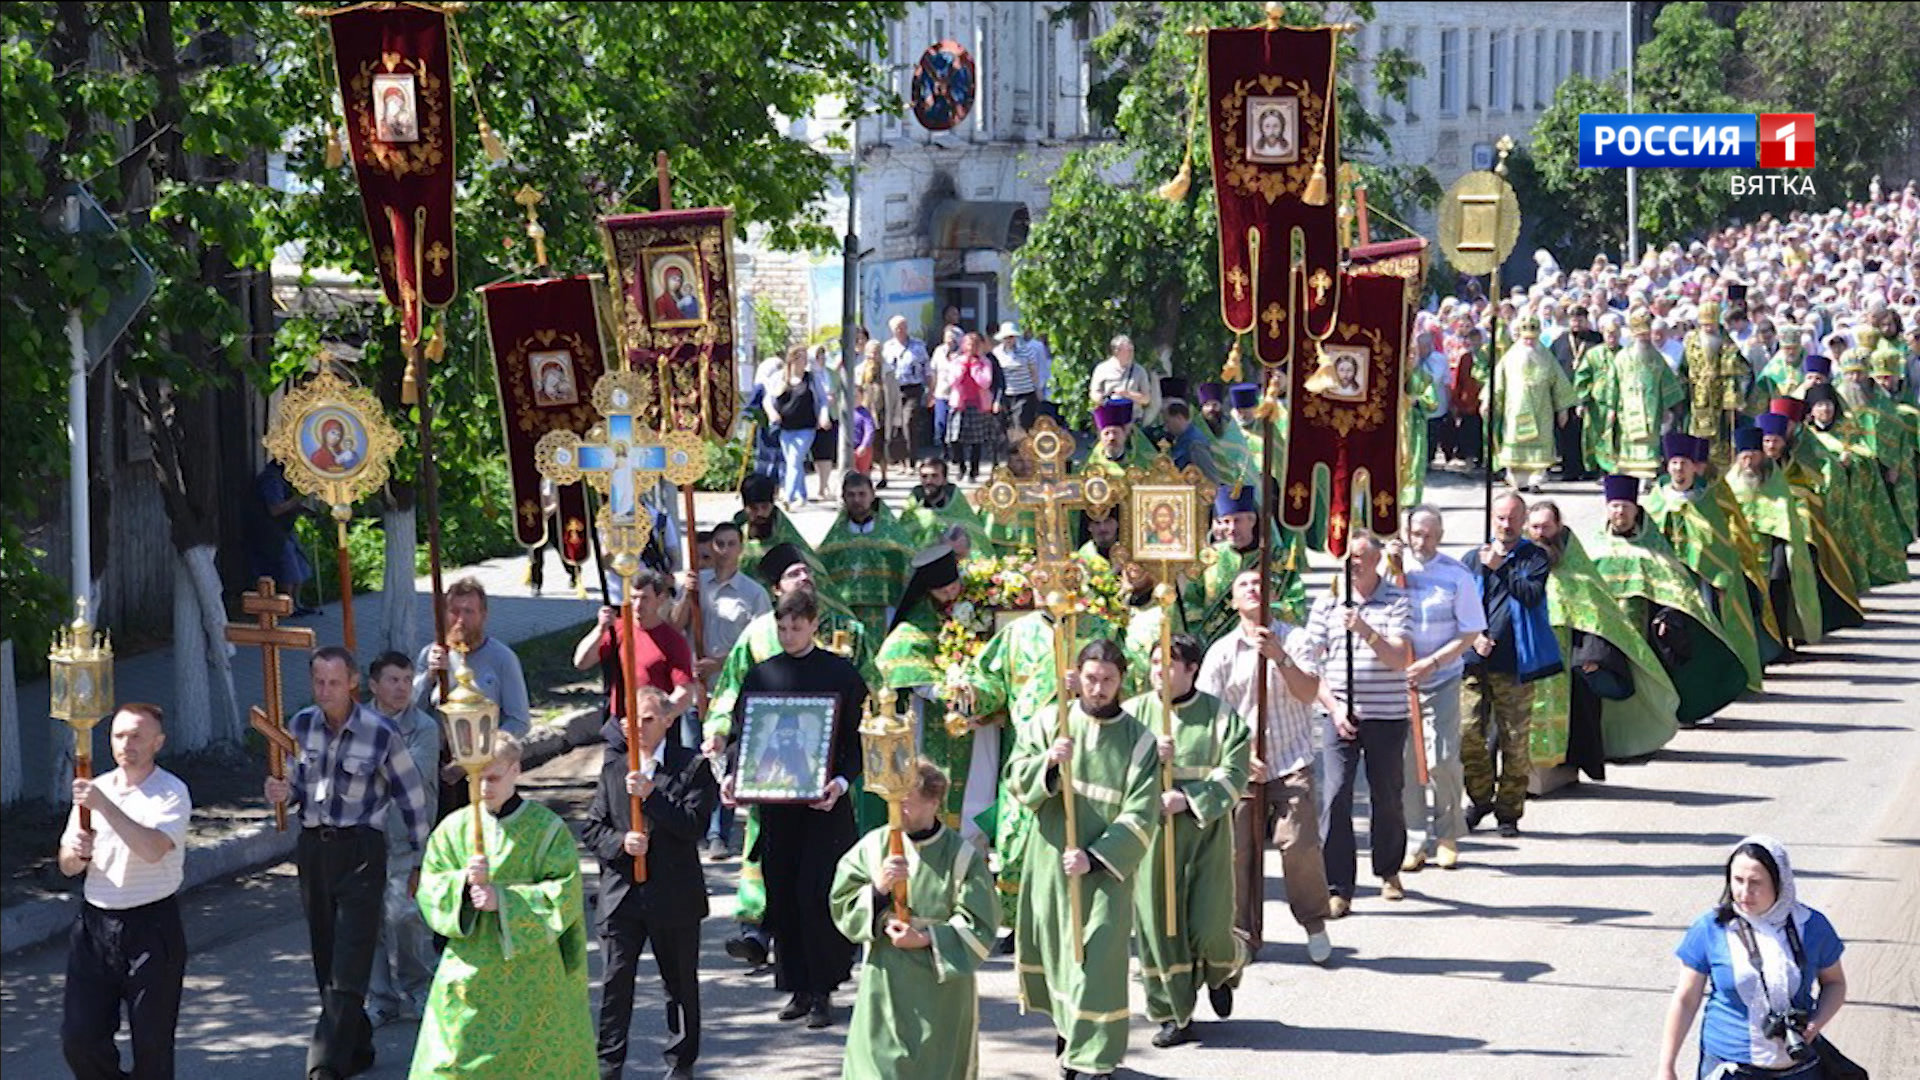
(887, 741)
(81, 678)
(472, 727)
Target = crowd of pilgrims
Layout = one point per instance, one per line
(1748, 404)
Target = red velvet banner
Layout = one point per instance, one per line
(397, 84)
(1270, 116)
(673, 302)
(547, 355)
(1346, 411)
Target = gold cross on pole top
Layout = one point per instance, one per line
(268, 608)
(1052, 494)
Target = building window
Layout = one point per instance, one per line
(1518, 100)
(1559, 58)
(1471, 68)
(986, 68)
(1619, 50)
(1496, 70)
(1416, 85)
(1579, 52)
(1449, 102)
(1542, 80)
(1595, 41)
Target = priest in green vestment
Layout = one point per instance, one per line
(1889, 366)
(1633, 396)
(1833, 573)
(1886, 435)
(764, 526)
(1113, 762)
(783, 570)
(1421, 401)
(1714, 542)
(509, 1000)
(1236, 459)
(935, 505)
(1535, 398)
(909, 661)
(1793, 589)
(917, 1013)
(1615, 701)
(1208, 599)
(1120, 446)
(1717, 378)
(1782, 372)
(1855, 489)
(1210, 751)
(867, 553)
(1145, 612)
(1592, 364)
(1660, 595)
(1103, 533)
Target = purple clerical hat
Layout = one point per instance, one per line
(1818, 365)
(1676, 444)
(1618, 488)
(1117, 412)
(1244, 395)
(1210, 392)
(1746, 438)
(1233, 499)
(1773, 424)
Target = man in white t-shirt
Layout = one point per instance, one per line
(128, 948)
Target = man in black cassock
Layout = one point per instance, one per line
(800, 844)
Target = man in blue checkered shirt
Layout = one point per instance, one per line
(350, 767)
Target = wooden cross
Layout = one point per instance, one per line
(268, 608)
(1051, 494)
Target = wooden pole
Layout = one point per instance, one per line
(345, 568)
(630, 700)
(897, 847)
(430, 506)
(1062, 645)
(660, 176)
(688, 523)
(1166, 767)
(479, 809)
(83, 770)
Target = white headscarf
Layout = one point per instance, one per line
(1783, 974)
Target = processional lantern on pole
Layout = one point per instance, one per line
(472, 729)
(80, 676)
(1479, 225)
(887, 740)
(1050, 494)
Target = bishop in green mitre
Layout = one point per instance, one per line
(1113, 762)
(782, 570)
(868, 552)
(1614, 701)
(1210, 751)
(1714, 543)
(909, 661)
(509, 999)
(1660, 595)
(1782, 371)
(917, 1014)
(1633, 395)
(1535, 401)
(1208, 599)
(1717, 377)
(1793, 587)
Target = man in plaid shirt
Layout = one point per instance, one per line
(350, 767)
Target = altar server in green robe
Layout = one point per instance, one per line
(510, 997)
(1210, 750)
(1115, 770)
(917, 1015)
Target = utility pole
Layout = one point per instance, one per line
(1633, 180)
(849, 306)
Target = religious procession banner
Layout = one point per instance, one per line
(1346, 411)
(673, 304)
(548, 354)
(1271, 117)
(1405, 260)
(396, 82)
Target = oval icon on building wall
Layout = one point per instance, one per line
(945, 86)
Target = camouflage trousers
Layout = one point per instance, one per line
(1512, 714)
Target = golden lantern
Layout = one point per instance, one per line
(472, 727)
(80, 667)
(887, 740)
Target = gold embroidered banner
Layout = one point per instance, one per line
(673, 304)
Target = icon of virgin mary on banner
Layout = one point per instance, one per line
(1271, 116)
(672, 278)
(1346, 412)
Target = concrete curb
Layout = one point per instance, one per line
(25, 925)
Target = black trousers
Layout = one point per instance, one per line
(1567, 440)
(676, 952)
(797, 860)
(343, 879)
(134, 958)
(1382, 744)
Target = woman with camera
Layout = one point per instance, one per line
(1755, 959)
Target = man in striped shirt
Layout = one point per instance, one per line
(1022, 401)
(350, 768)
(1368, 633)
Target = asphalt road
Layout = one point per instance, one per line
(1546, 956)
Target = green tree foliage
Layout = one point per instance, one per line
(1111, 256)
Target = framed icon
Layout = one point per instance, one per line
(676, 289)
(786, 747)
(1347, 379)
(396, 116)
(334, 440)
(552, 373)
(1273, 130)
(1165, 528)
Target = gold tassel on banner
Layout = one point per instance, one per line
(1175, 190)
(1316, 192)
(335, 157)
(409, 378)
(436, 349)
(1230, 371)
(496, 152)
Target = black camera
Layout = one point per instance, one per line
(1792, 1027)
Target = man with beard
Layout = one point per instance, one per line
(1208, 598)
(1888, 366)
(1884, 431)
(1715, 545)
(1856, 494)
(1716, 376)
(1570, 349)
(909, 662)
(1536, 399)
(936, 505)
(1839, 594)
(785, 571)
(1793, 590)
(1119, 446)
(764, 526)
(1782, 371)
(869, 552)
(1103, 533)
(1212, 397)
(1206, 744)
(1112, 761)
(1660, 596)
(1633, 397)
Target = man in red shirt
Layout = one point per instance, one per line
(661, 653)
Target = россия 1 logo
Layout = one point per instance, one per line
(1704, 141)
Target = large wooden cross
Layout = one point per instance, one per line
(1050, 494)
(268, 608)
